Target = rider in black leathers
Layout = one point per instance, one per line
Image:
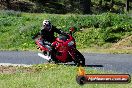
(48, 30)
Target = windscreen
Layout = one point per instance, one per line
(63, 38)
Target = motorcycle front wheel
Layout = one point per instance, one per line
(79, 59)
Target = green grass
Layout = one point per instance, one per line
(16, 29)
(52, 76)
(112, 51)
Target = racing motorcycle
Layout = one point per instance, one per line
(65, 50)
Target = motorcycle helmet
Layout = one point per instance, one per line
(47, 25)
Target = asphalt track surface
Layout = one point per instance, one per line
(121, 63)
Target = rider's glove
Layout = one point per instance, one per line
(53, 47)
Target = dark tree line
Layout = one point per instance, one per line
(64, 6)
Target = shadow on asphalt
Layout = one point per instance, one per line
(85, 65)
(94, 66)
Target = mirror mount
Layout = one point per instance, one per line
(72, 29)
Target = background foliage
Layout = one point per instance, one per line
(16, 28)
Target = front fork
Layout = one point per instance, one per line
(72, 53)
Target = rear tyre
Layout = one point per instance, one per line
(46, 53)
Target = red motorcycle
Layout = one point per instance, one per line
(65, 48)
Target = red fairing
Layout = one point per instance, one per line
(41, 47)
(64, 49)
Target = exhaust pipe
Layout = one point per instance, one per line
(43, 56)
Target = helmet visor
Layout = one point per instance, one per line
(47, 26)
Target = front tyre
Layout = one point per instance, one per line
(79, 59)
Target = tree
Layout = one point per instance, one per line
(41, 2)
(127, 5)
(86, 6)
(8, 4)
